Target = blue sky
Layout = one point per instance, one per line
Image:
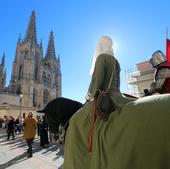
(137, 27)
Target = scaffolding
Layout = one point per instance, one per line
(132, 83)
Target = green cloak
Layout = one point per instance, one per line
(138, 137)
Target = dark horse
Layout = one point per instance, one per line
(59, 111)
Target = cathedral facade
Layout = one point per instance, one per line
(36, 77)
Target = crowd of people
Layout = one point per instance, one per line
(12, 125)
(29, 127)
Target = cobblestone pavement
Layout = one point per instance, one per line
(13, 154)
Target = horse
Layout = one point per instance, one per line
(59, 111)
(134, 137)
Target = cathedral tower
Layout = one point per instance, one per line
(53, 63)
(31, 74)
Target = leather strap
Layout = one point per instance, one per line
(90, 138)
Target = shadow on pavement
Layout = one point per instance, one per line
(13, 161)
(19, 143)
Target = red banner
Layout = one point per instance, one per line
(168, 49)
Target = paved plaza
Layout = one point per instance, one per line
(13, 154)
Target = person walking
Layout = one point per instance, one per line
(30, 126)
(10, 128)
(39, 122)
(18, 125)
(44, 133)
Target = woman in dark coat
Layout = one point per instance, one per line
(10, 128)
(44, 133)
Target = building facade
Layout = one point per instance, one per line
(140, 79)
(38, 78)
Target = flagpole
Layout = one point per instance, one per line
(167, 33)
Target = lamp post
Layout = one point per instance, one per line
(20, 96)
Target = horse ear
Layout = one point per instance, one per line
(41, 111)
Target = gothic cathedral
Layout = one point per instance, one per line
(38, 78)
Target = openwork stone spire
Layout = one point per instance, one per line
(31, 30)
(41, 47)
(3, 60)
(19, 39)
(51, 49)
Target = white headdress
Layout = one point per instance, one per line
(104, 46)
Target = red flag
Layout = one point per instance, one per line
(168, 49)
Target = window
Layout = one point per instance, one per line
(36, 73)
(45, 96)
(20, 69)
(34, 97)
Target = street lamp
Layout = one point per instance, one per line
(20, 96)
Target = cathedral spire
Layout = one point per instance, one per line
(41, 47)
(58, 58)
(31, 30)
(59, 61)
(19, 39)
(3, 60)
(51, 49)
